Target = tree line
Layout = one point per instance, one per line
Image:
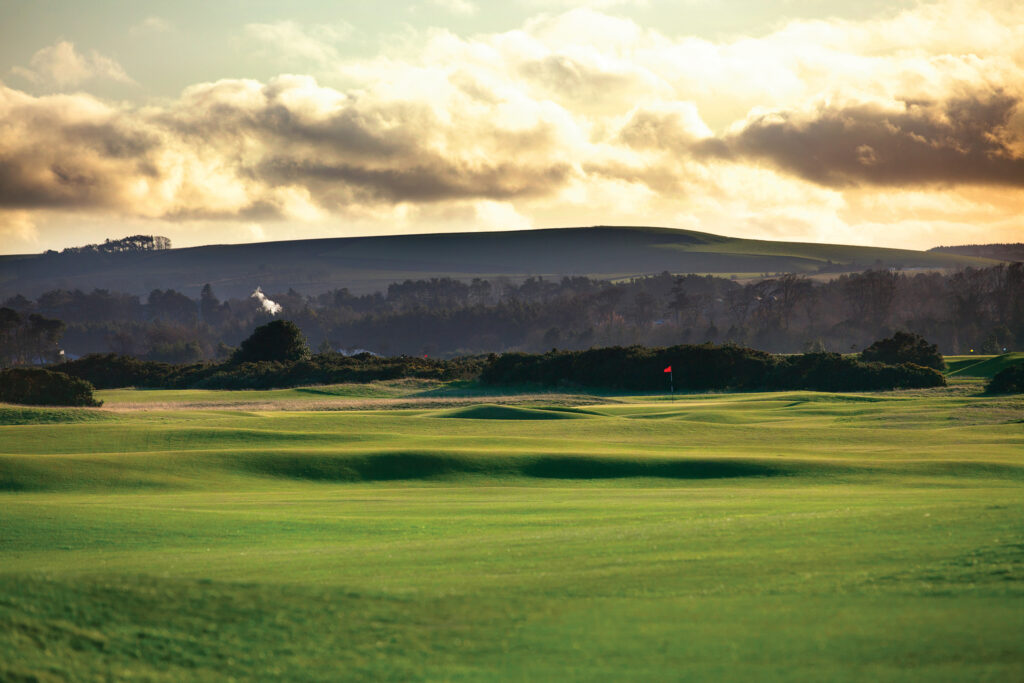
(125, 245)
(976, 309)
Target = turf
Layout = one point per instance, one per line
(786, 536)
(981, 366)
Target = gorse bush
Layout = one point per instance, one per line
(904, 347)
(703, 367)
(39, 387)
(109, 371)
(333, 368)
(695, 367)
(112, 371)
(833, 372)
(1007, 381)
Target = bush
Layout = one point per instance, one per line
(38, 387)
(635, 368)
(704, 367)
(281, 341)
(1007, 381)
(833, 372)
(333, 368)
(904, 347)
(111, 371)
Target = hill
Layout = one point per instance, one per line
(367, 264)
(1002, 252)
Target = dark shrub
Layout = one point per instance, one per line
(111, 371)
(704, 367)
(1007, 381)
(635, 368)
(38, 387)
(334, 368)
(280, 340)
(904, 347)
(833, 372)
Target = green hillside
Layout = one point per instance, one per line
(366, 264)
(981, 366)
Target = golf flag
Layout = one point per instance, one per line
(668, 369)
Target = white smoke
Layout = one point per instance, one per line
(271, 307)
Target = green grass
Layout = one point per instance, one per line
(782, 536)
(981, 366)
(382, 389)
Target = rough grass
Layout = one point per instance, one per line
(789, 536)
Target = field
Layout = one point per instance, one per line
(426, 531)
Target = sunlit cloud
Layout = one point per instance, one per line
(304, 45)
(61, 66)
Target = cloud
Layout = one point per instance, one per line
(590, 4)
(463, 7)
(252, 150)
(151, 25)
(962, 140)
(18, 228)
(61, 66)
(315, 45)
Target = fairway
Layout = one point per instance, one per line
(435, 533)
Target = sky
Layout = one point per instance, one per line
(876, 123)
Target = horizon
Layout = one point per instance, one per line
(480, 232)
(897, 125)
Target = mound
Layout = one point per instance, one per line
(984, 367)
(489, 411)
(10, 415)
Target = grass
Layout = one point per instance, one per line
(795, 536)
(981, 366)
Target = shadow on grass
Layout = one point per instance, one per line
(497, 412)
(24, 475)
(411, 466)
(605, 468)
(377, 467)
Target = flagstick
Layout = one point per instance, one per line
(671, 385)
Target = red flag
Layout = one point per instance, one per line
(668, 369)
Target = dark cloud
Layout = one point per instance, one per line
(245, 150)
(55, 164)
(957, 141)
(439, 180)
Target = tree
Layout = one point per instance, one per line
(44, 335)
(280, 340)
(10, 322)
(171, 306)
(871, 295)
(905, 347)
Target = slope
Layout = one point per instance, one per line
(366, 264)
